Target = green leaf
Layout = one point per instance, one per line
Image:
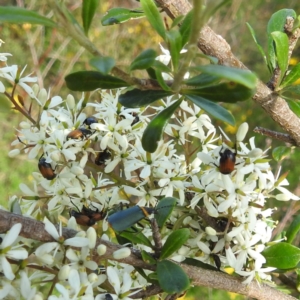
(120, 15)
(259, 47)
(161, 80)
(144, 60)
(243, 77)
(213, 109)
(139, 98)
(148, 258)
(276, 23)
(199, 264)
(103, 64)
(280, 153)
(291, 92)
(282, 50)
(172, 279)
(136, 238)
(291, 77)
(175, 43)
(88, 11)
(295, 107)
(153, 133)
(228, 92)
(177, 21)
(174, 242)
(202, 80)
(21, 15)
(91, 80)
(211, 8)
(164, 210)
(293, 229)
(154, 17)
(282, 256)
(158, 65)
(185, 28)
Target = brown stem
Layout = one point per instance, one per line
(35, 230)
(213, 44)
(275, 135)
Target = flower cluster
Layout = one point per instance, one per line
(90, 159)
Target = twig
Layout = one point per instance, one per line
(213, 44)
(275, 135)
(35, 230)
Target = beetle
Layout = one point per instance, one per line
(227, 161)
(79, 133)
(87, 216)
(126, 218)
(89, 121)
(46, 169)
(102, 157)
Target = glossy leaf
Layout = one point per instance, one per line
(21, 15)
(293, 229)
(282, 256)
(103, 64)
(295, 107)
(88, 11)
(177, 21)
(259, 47)
(172, 279)
(164, 210)
(199, 264)
(276, 23)
(139, 98)
(136, 238)
(144, 60)
(153, 133)
(282, 49)
(120, 15)
(175, 42)
(280, 153)
(211, 8)
(160, 79)
(228, 92)
(174, 242)
(92, 80)
(153, 16)
(202, 80)
(158, 65)
(292, 76)
(243, 77)
(185, 28)
(213, 109)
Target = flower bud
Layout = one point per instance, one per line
(101, 249)
(92, 236)
(64, 272)
(14, 153)
(210, 231)
(242, 131)
(77, 170)
(92, 277)
(70, 101)
(122, 253)
(43, 96)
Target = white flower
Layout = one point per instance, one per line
(7, 250)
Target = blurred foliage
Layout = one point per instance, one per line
(51, 56)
